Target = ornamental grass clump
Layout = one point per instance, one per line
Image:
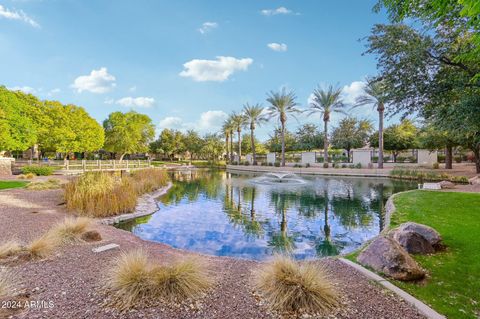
(51, 183)
(6, 282)
(134, 278)
(289, 286)
(69, 230)
(10, 248)
(105, 194)
(42, 247)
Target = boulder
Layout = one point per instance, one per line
(385, 255)
(412, 242)
(446, 185)
(91, 235)
(430, 234)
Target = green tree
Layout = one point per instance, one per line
(169, 143)
(308, 137)
(227, 131)
(193, 143)
(128, 133)
(282, 104)
(213, 146)
(398, 137)
(274, 143)
(326, 101)
(254, 116)
(247, 145)
(374, 94)
(351, 133)
(433, 138)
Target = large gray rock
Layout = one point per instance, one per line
(430, 234)
(412, 242)
(446, 185)
(385, 255)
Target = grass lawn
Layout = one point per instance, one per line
(453, 286)
(12, 184)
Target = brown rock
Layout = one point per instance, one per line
(385, 255)
(412, 242)
(91, 235)
(446, 185)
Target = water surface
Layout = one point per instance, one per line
(229, 214)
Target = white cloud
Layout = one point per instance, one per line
(207, 27)
(352, 91)
(279, 10)
(17, 15)
(53, 91)
(209, 122)
(214, 70)
(132, 89)
(109, 101)
(25, 89)
(140, 101)
(98, 81)
(279, 47)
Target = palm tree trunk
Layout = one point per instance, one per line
(380, 138)
(226, 147)
(325, 141)
(283, 143)
(448, 157)
(239, 146)
(252, 140)
(231, 146)
(476, 153)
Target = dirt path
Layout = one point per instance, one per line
(71, 278)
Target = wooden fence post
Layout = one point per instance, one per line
(114, 164)
(127, 164)
(84, 165)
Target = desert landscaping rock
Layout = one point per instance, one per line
(385, 255)
(447, 185)
(91, 235)
(105, 248)
(430, 234)
(412, 242)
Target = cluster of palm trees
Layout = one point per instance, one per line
(283, 104)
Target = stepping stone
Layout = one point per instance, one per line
(105, 248)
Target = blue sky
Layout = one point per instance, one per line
(184, 63)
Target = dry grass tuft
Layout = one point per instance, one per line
(290, 286)
(43, 246)
(6, 282)
(135, 278)
(51, 183)
(70, 229)
(182, 280)
(104, 194)
(10, 248)
(130, 279)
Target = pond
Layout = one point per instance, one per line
(251, 216)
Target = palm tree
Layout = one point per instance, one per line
(281, 104)
(326, 101)
(227, 130)
(238, 122)
(254, 116)
(374, 94)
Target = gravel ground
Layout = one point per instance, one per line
(71, 279)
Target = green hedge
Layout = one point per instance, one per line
(38, 170)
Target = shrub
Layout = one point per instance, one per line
(460, 179)
(358, 165)
(441, 158)
(289, 286)
(298, 165)
(42, 247)
(344, 165)
(10, 248)
(246, 163)
(184, 279)
(270, 164)
(325, 165)
(51, 183)
(351, 165)
(458, 159)
(307, 165)
(38, 170)
(70, 229)
(277, 164)
(6, 282)
(436, 166)
(134, 278)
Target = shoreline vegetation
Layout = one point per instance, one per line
(102, 194)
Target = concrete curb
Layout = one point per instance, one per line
(420, 306)
(146, 205)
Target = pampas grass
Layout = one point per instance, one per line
(134, 277)
(104, 194)
(10, 248)
(290, 286)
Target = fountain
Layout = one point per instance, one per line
(279, 178)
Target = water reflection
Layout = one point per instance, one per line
(222, 213)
